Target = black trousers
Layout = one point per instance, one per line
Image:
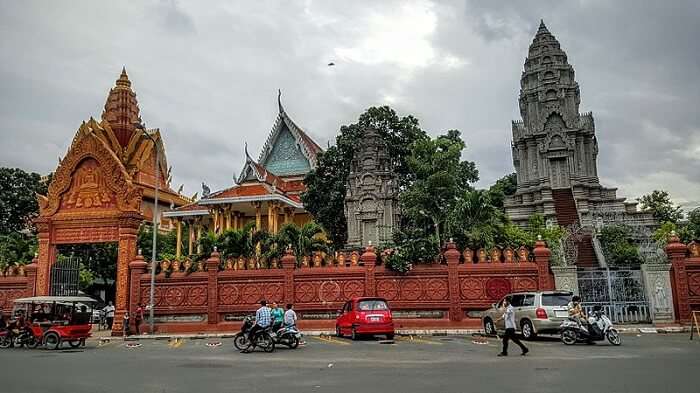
(110, 321)
(256, 328)
(510, 335)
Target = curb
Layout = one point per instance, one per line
(399, 332)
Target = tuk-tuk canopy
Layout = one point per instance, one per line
(67, 300)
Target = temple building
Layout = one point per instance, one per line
(123, 132)
(555, 150)
(267, 191)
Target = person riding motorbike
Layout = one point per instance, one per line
(263, 319)
(576, 311)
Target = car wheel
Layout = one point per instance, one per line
(390, 336)
(528, 330)
(52, 340)
(338, 333)
(568, 337)
(74, 343)
(489, 327)
(354, 335)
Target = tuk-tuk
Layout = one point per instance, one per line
(53, 320)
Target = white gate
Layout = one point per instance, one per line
(620, 292)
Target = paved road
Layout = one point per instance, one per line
(647, 363)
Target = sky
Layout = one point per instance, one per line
(206, 73)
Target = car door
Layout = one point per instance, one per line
(347, 310)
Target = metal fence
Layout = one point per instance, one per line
(620, 293)
(65, 277)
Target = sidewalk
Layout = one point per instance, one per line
(626, 329)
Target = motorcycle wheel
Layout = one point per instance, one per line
(18, 342)
(5, 342)
(265, 342)
(32, 343)
(568, 337)
(240, 341)
(613, 337)
(292, 342)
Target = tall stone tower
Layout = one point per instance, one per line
(371, 202)
(555, 148)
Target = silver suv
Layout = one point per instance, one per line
(535, 312)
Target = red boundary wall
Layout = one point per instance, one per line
(438, 295)
(685, 277)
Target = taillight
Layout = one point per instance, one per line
(541, 313)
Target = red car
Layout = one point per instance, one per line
(365, 315)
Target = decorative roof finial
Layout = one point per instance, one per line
(542, 28)
(124, 79)
(247, 156)
(279, 100)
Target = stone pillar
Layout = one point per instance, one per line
(47, 256)
(213, 287)
(235, 220)
(657, 285)
(31, 277)
(542, 254)
(289, 262)
(565, 278)
(369, 259)
(228, 217)
(127, 253)
(270, 217)
(199, 236)
(137, 267)
(677, 252)
(258, 215)
(190, 235)
(178, 245)
(452, 257)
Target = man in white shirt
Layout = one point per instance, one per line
(290, 317)
(509, 316)
(109, 314)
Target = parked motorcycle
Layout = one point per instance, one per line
(599, 328)
(263, 339)
(289, 336)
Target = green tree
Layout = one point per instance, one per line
(16, 249)
(693, 225)
(660, 205)
(441, 178)
(505, 186)
(618, 247)
(166, 242)
(235, 243)
(18, 203)
(326, 184)
(476, 221)
(100, 259)
(304, 240)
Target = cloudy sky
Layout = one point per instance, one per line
(207, 74)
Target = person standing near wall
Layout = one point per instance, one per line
(509, 316)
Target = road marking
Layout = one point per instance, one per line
(177, 343)
(331, 340)
(416, 339)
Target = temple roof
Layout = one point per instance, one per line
(288, 150)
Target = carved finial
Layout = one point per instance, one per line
(216, 249)
(451, 240)
(139, 252)
(279, 100)
(123, 80)
(539, 237)
(673, 233)
(370, 243)
(289, 246)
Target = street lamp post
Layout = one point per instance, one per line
(155, 235)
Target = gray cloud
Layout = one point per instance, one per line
(207, 76)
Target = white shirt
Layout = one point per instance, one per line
(509, 317)
(109, 311)
(290, 317)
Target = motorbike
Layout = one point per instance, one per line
(289, 336)
(263, 338)
(25, 337)
(599, 328)
(5, 338)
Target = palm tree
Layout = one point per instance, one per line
(303, 240)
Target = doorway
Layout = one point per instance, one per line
(91, 268)
(559, 173)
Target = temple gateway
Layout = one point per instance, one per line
(555, 150)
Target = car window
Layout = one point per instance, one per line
(372, 305)
(349, 306)
(529, 300)
(517, 300)
(556, 299)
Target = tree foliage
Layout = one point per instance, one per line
(16, 249)
(660, 205)
(327, 183)
(618, 248)
(166, 242)
(18, 203)
(505, 186)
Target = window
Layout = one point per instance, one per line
(529, 300)
(372, 305)
(556, 299)
(517, 300)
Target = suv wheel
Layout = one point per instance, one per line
(528, 330)
(489, 327)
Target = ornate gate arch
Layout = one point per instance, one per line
(91, 199)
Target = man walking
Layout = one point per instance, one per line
(109, 314)
(509, 316)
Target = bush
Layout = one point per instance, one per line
(617, 246)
